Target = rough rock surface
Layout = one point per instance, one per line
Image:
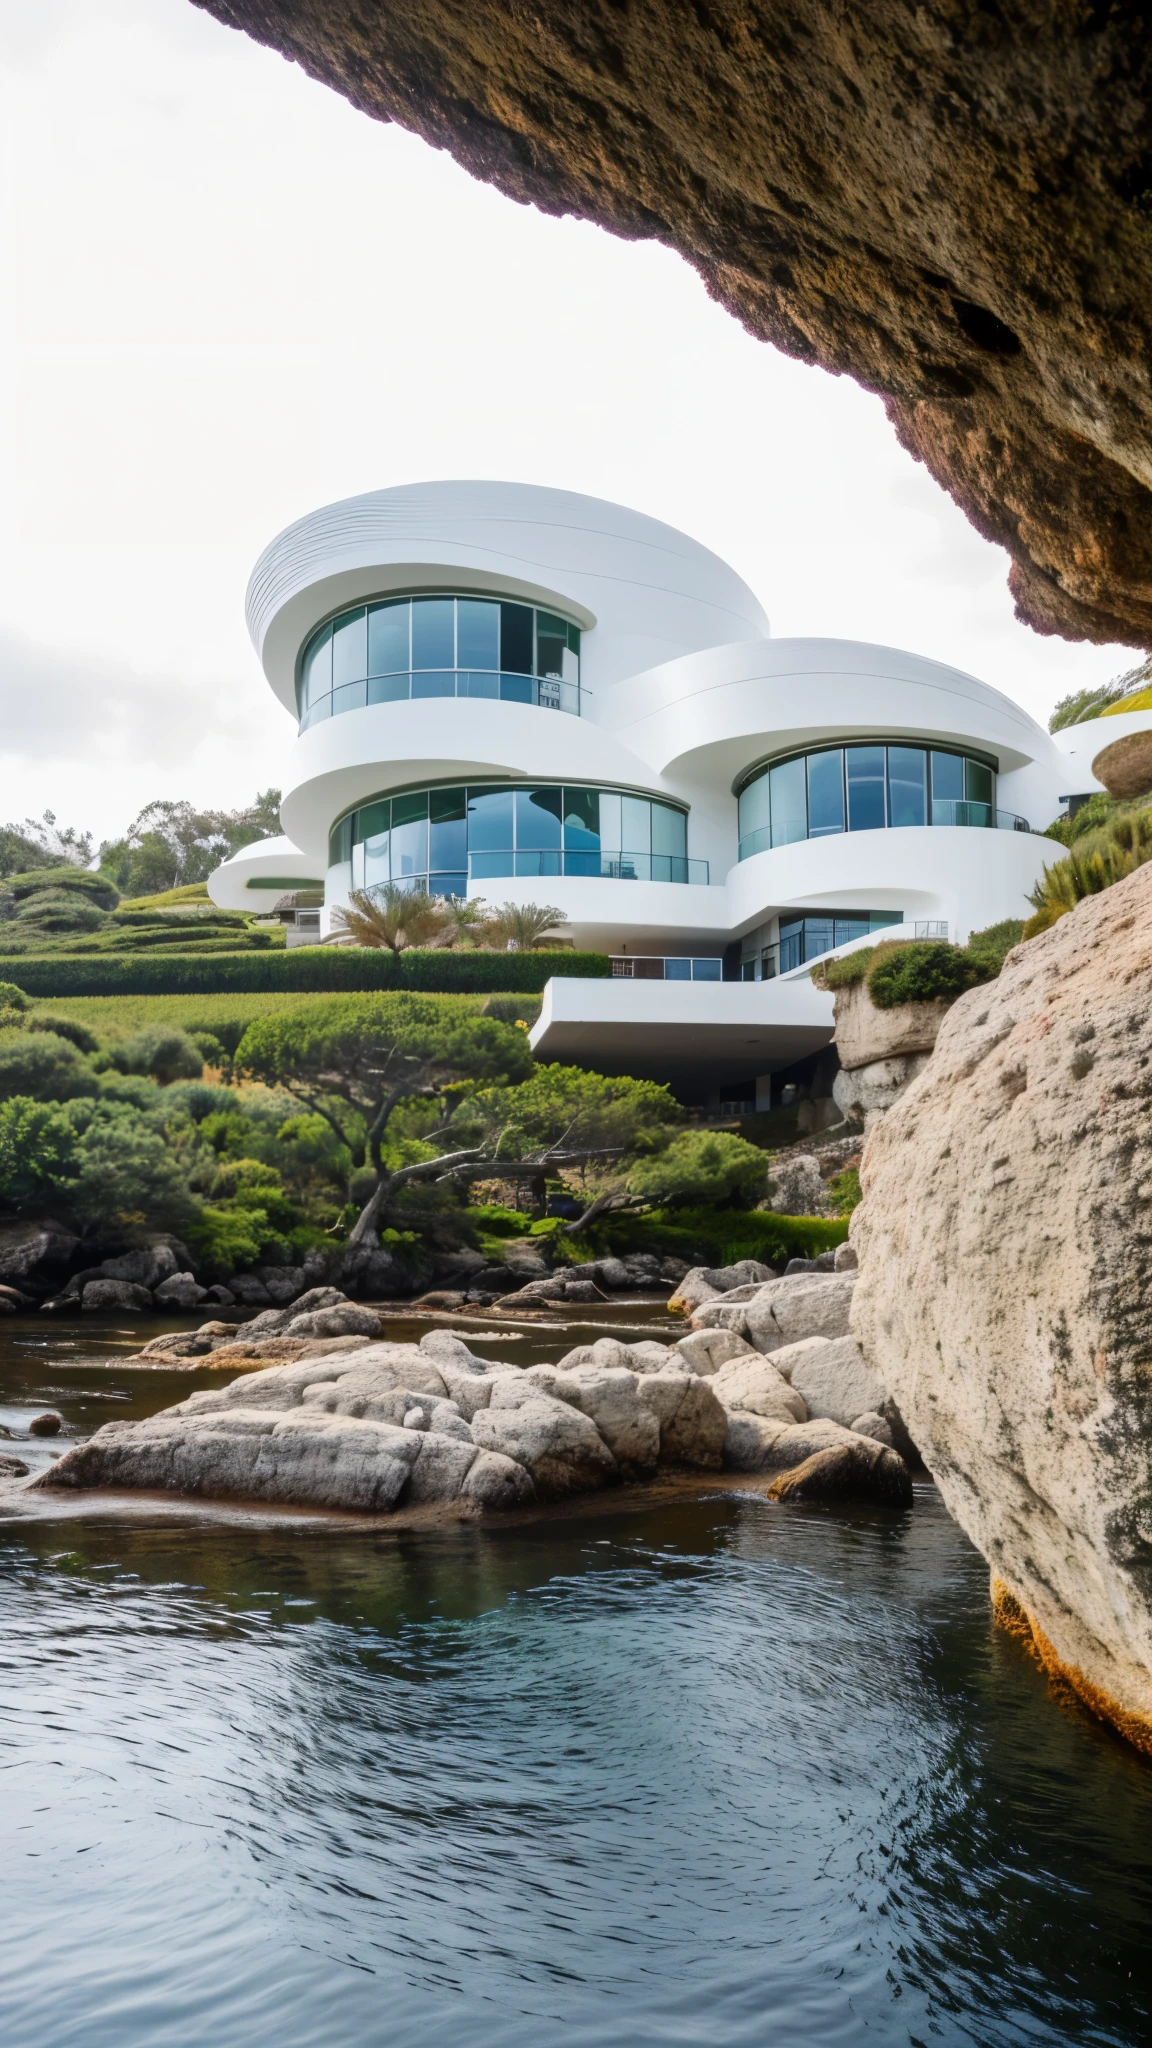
(122, 1295)
(1006, 1275)
(949, 203)
(831, 1376)
(34, 1257)
(1125, 767)
(762, 1443)
(704, 1283)
(862, 1094)
(797, 1187)
(854, 1467)
(389, 1425)
(865, 1033)
(182, 1291)
(783, 1311)
(705, 1351)
(750, 1383)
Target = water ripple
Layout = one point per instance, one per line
(721, 1775)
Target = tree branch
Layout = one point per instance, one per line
(601, 1207)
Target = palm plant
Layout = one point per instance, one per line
(521, 926)
(465, 920)
(391, 917)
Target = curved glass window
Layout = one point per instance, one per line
(866, 788)
(447, 840)
(439, 647)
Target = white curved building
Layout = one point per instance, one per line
(529, 695)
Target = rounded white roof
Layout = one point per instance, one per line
(650, 592)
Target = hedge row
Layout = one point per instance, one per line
(299, 970)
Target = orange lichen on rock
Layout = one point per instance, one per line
(1009, 1613)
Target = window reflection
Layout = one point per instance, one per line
(440, 646)
(865, 788)
(489, 830)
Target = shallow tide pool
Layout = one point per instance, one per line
(720, 1773)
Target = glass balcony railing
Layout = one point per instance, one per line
(617, 867)
(954, 812)
(674, 967)
(549, 693)
(501, 864)
(945, 811)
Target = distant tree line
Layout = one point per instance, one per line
(169, 845)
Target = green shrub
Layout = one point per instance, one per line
(300, 970)
(78, 882)
(189, 892)
(44, 1067)
(995, 942)
(211, 1050)
(494, 1221)
(926, 970)
(921, 970)
(845, 970)
(127, 1176)
(227, 1240)
(702, 1169)
(166, 1053)
(13, 998)
(235, 1174)
(844, 1189)
(37, 1150)
(70, 1028)
(1099, 810)
(715, 1237)
(1091, 703)
(513, 1009)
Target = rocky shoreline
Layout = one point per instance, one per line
(41, 1269)
(765, 1381)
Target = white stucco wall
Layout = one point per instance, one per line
(684, 692)
(266, 859)
(649, 591)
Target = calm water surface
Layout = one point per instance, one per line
(721, 1774)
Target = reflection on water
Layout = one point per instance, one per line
(715, 1775)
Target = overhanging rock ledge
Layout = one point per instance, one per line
(951, 204)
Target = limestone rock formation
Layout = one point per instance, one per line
(1005, 1282)
(753, 1385)
(880, 1051)
(34, 1257)
(832, 1378)
(388, 1425)
(950, 204)
(862, 1094)
(704, 1283)
(797, 1187)
(1125, 767)
(865, 1033)
(783, 1311)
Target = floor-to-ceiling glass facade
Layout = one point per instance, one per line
(866, 787)
(447, 840)
(439, 647)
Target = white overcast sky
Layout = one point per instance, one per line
(229, 298)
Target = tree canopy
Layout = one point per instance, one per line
(171, 844)
(355, 1059)
(703, 1169)
(557, 1106)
